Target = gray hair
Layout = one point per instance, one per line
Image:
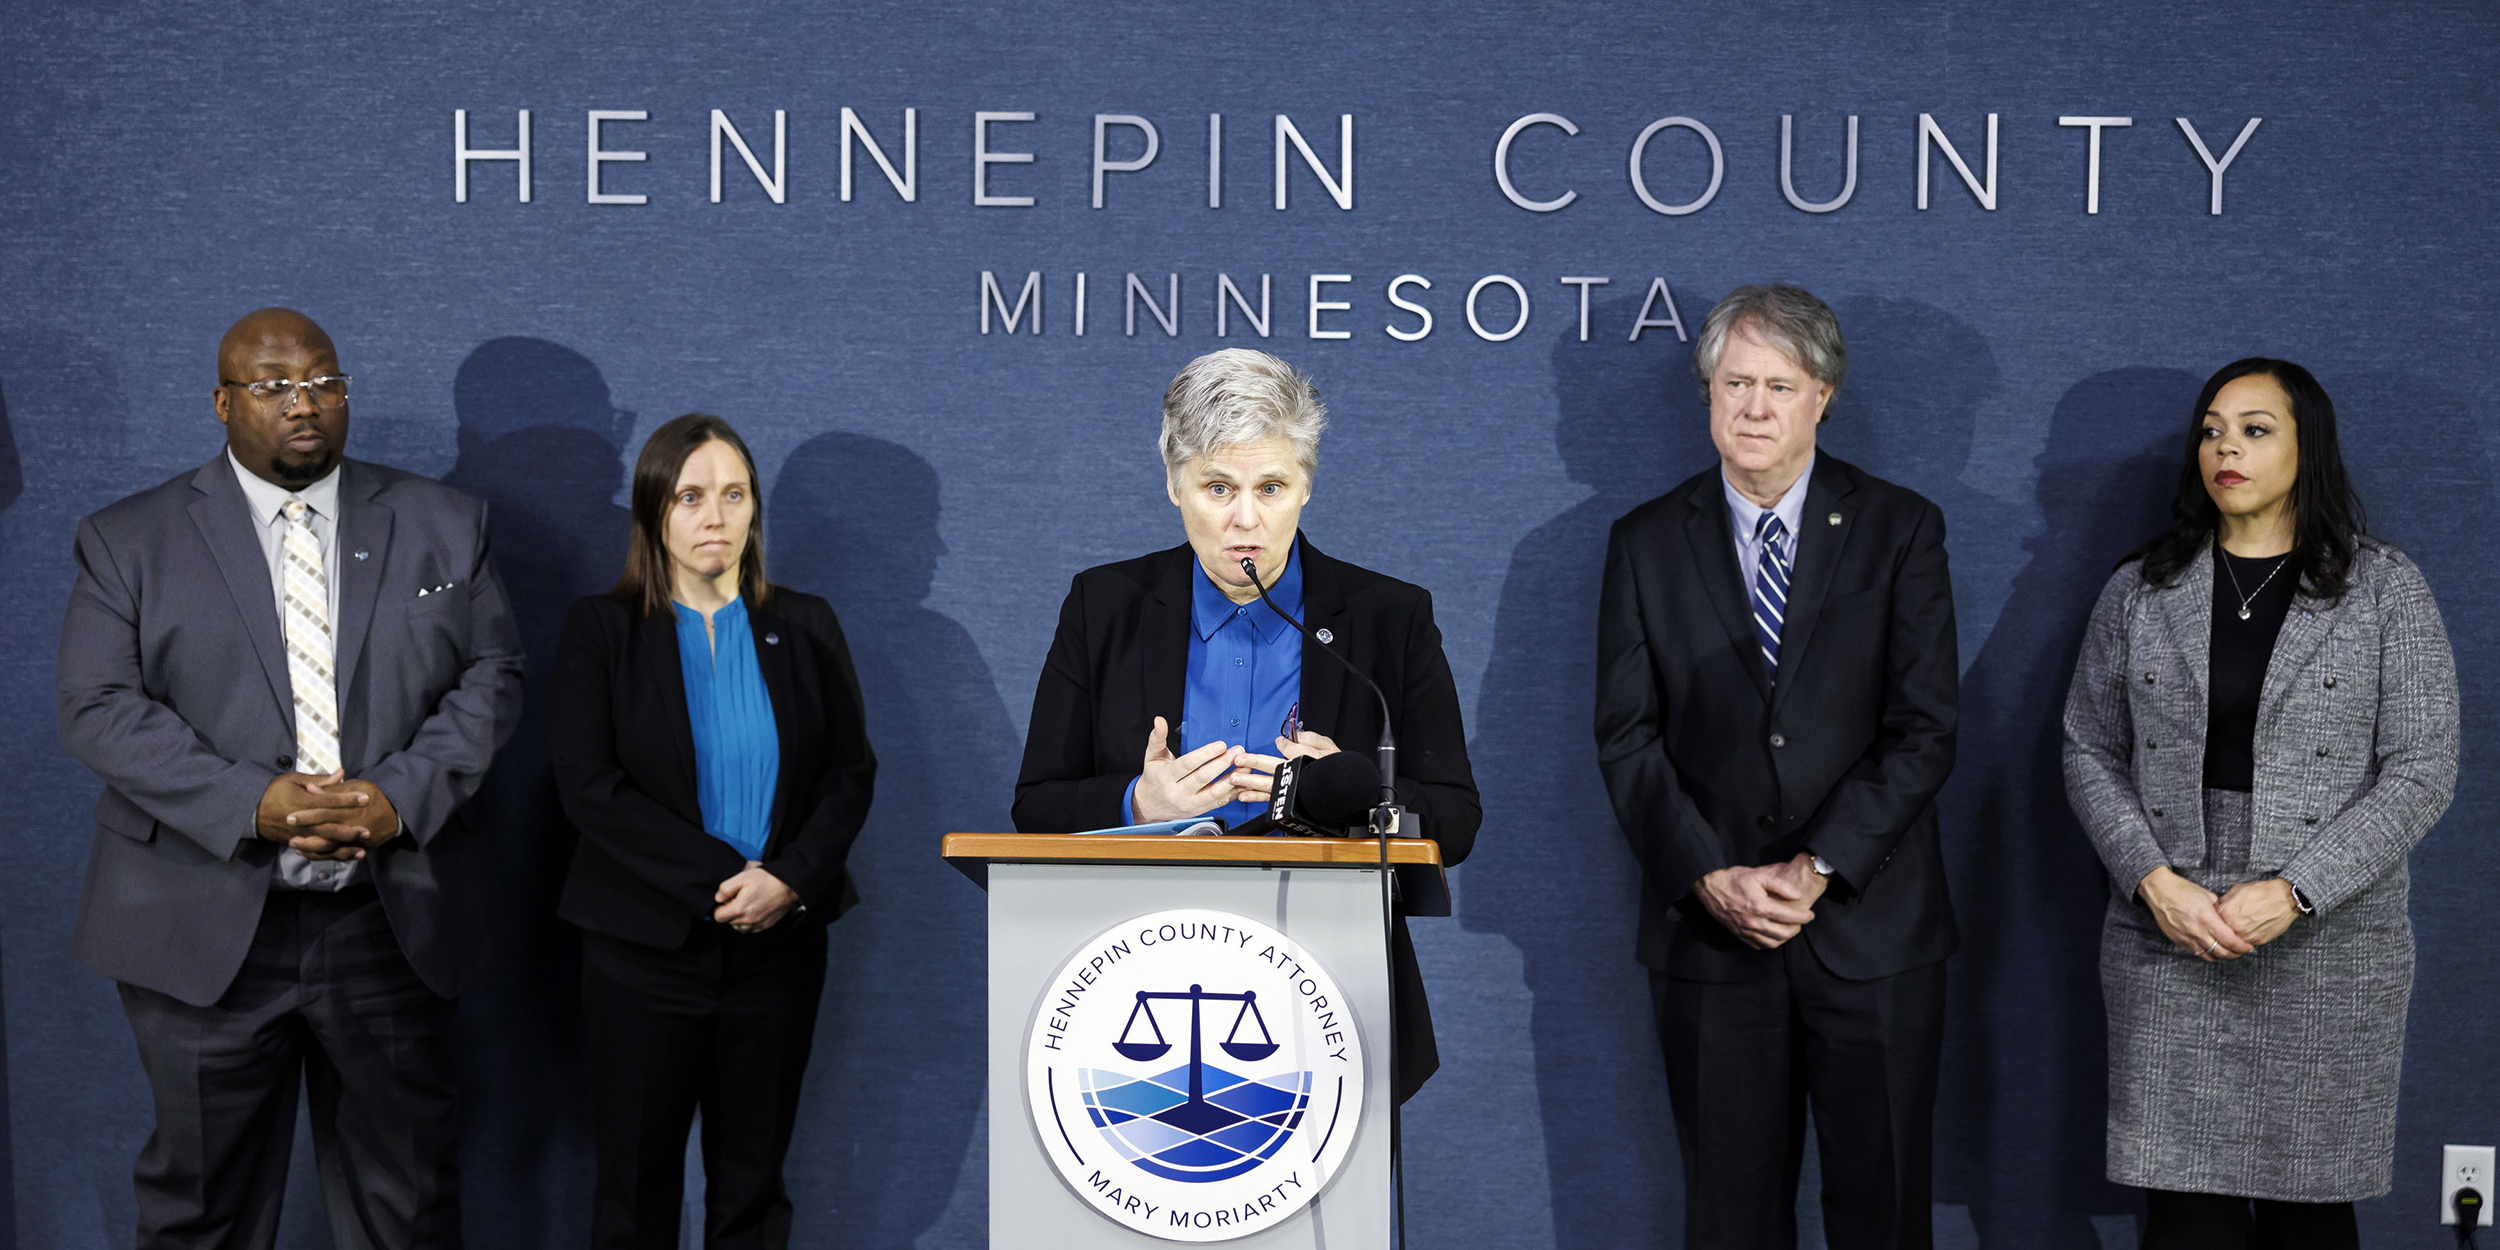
(1235, 396)
(1786, 317)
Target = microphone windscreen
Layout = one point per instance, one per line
(1259, 826)
(1338, 790)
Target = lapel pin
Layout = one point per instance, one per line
(1327, 637)
(1833, 518)
(360, 555)
(772, 640)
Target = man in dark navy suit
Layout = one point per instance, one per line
(1775, 709)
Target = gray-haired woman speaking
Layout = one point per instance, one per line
(2263, 723)
(1174, 690)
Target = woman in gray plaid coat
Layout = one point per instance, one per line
(2262, 724)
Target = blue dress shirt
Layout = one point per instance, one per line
(737, 745)
(1244, 677)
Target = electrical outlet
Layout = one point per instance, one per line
(2465, 1167)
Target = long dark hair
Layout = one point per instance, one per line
(645, 584)
(2327, 518)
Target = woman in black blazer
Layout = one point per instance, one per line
(717, 797)
(1171, 691)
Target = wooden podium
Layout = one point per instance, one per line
(1190, 1037)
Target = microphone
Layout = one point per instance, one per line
(1387, 817)
(1317, 796)
(1387, 752)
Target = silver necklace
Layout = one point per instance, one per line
(2250, 597)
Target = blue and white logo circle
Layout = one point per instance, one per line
(1195, 1075)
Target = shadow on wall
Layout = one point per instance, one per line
(2020, 1119)
(12, 474)
(12, 484)
(1918, 387)
(542, 443)
(894, 1095)
(77, 1103)
(1558, 880)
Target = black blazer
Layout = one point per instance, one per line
(1709, 766)
(645, 870)
(1121, 658)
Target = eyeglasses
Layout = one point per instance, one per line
(326, 391)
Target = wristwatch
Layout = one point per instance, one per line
(1823, 869)
(2301, 900)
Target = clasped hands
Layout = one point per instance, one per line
(754, 900)
(2224, 926)
(1765, 906)
(1173, 787)
(326, 817)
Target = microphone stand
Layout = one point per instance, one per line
(1385, 819)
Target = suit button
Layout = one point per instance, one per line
(2330, 683)
(1763, 822)
(2151, 745)
(2321, 752)
(2309, 820)
(1779, 740)
(286, 761)
(2156, 813)
(2148, 679)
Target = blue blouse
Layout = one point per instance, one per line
(737, 746)
(1244, 682)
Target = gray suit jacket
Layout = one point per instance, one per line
(2356, 728)
(173, 688)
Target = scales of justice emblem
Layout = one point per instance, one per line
(1195, 1075)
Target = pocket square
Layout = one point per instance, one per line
(436, 590)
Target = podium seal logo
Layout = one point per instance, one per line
(1195, 1075)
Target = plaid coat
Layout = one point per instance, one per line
(2275, 1075)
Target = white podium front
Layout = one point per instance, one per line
(1190, 1038)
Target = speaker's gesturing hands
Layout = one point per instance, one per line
(1254, 779)
(1170, 788)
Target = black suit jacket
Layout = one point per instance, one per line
(1121, 658)
(1710, 765)
(645, 870)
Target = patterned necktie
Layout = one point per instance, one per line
(1770, 590)
(308, 650)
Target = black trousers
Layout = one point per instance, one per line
(2182, 1221)
(326, 1001)
(723, 1023)
(1744, 1060)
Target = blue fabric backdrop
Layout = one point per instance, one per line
(166, 167)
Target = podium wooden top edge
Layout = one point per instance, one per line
(1423, 885)
(1082, 848)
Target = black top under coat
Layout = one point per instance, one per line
(2241, 651)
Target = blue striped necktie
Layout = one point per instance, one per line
(1770, 590)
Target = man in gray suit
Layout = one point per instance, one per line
(291, 671)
